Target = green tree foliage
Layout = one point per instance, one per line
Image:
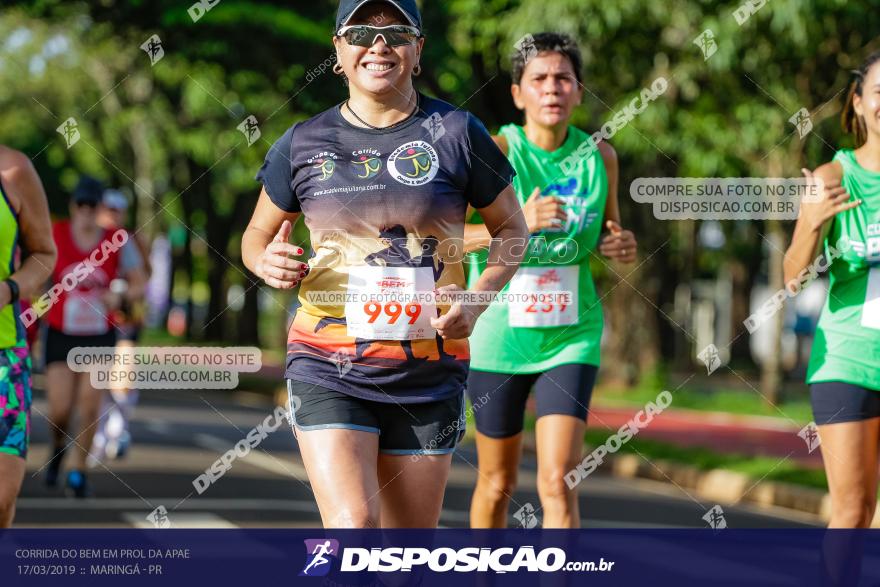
(168, 132)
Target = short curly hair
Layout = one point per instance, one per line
(531, 45)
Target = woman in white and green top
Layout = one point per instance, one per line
(844, 370)
(545, 334)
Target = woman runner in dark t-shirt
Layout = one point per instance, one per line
(376, 370)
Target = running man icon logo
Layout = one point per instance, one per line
(527, 48)
(319, 556)
(802, 122)
(810, 434)
(715, 518)
(343, 362)
(710, 357)
(526, 516)
(706, 42)
(435, 127)
(69, 129)
(250, 129)
(159, 517)
(153, 48)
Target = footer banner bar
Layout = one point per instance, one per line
(248, 558)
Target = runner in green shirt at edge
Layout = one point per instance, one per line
(844, 368)
(549, 344)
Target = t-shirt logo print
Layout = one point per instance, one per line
(325, 163)
(367, 165)
(327, 167)
(414, 163)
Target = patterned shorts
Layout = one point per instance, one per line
(15, 401)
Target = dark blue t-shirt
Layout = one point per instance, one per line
(388, 204)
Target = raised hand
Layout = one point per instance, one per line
(275, 265)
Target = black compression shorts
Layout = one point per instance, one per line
(499, 399)
(835, 402)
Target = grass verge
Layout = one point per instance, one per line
(732, 401)
(703, 459)
(756, 467)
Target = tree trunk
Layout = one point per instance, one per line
(186, 264)
(684, 347)
(771, 371)
(247, 321)
(247, 330)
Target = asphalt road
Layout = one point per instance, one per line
(180, 434)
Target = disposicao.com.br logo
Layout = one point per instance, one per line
(441, 560)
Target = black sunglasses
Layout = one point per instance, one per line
(363, 35)
(87, 205)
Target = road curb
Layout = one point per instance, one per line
(721, 486)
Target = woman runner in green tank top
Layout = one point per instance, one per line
(546, 333)
(844, 368)
(24, 225)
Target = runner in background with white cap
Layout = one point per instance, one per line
(113, 437)
(80, 316)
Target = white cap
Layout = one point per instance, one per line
(115, 200)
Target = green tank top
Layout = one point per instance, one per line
(847, 343)
(12, 332)
(535, 337)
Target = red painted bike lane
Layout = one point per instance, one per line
(719, 432)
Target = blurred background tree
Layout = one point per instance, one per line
(167, 133)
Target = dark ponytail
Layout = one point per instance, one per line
(852, 122)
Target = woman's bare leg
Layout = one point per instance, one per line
(849, 451)
(411, 489)
(342, 469)
(498, 461)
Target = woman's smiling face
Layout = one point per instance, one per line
(378, 69)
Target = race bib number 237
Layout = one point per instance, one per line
(542, 297)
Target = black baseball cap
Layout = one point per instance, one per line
(88, 191)
(408, 8)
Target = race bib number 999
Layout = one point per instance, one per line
(389, 303)
(543, 297)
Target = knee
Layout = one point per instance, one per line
(88, 414)
(7, 510)
(59, 416)
(856, 512)
(497, 486)
(552, 485)
(355, 518)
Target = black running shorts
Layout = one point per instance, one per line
(431, 428)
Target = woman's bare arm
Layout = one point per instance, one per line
(814, 219)
(265, 249)
(619, 244)
(26, 194)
